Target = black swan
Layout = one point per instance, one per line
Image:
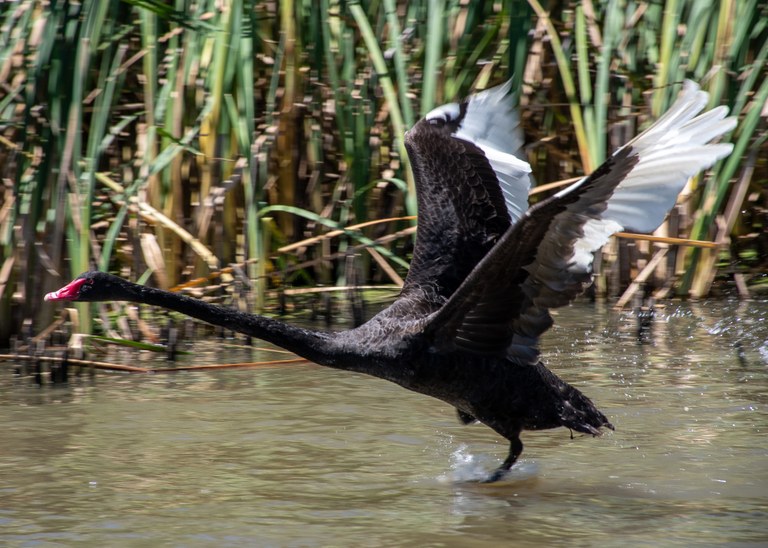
(486, 268)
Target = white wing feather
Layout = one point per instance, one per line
(673, 149)
(492, 123)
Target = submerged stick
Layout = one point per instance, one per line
(75, 361)
(132, 369)
(215, 366)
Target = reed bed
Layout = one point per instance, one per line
(180, 140)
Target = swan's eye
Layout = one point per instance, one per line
(444, 114)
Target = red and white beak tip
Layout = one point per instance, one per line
(69, 292)
(52, 296)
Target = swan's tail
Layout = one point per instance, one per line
(577, 412)
(573, 409)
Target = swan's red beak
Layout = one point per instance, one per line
(69, 292)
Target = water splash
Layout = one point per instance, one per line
(764, 353)
(467, 467)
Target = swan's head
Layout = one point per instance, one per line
(88, 286)
(449, 115)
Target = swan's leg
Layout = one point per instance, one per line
(515, 448)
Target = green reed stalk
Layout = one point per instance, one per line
(148, 22)
(585, 84)
(331, 49)
(246, 135)
(399, 60)
(519, 18)
(612, 27)
(569, 88)
(667, 63)
(432, 54)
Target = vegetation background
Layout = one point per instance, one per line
(251, 142)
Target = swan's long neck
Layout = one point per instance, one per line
(316, 346)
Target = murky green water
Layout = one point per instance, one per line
(299, 455)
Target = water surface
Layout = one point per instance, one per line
(299, 455)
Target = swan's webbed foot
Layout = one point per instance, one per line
(515, 448)
(465, 418)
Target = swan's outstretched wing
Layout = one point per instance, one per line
(545, 260)
(467, 187)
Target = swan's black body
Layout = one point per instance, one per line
(482, 280)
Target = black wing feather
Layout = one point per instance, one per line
(462, 213)
(501, 305)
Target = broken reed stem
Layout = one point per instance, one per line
(551, 186)
(338, 288)
(634, 287)
(151, 214)
(335, 233)
(394, 276)
(667, 240)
